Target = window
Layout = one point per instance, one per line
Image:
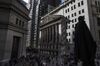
(69, 34)
(78, 4)
(68, 16)
(16, 20)
(68, 4)
(71, 2)
(22, 24)
(73, 26)
(69, 40)
(82, 3)
(75, 20)
(68, 9)
(69, 27)
(72, 15)
(19, 22)
(74, 1)
(65, 11)
(75, 14)
(95, 2)
(82, 10)
(98, 21)
(74, 6)
(72, 21)
(79, 12)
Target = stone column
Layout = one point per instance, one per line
(56, 33)
(48, 33)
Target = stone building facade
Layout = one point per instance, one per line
(13, 29)
(52, 35)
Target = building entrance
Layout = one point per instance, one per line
(15, 47)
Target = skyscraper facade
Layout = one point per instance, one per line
(32, 37)
(48, 5)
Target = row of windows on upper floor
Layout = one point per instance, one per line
(73, 26)
(69, 34)
(72, 2)
(75, 14)
(74, 7)
(19, 22)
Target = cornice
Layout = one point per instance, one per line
(58, 8)
(15, 9)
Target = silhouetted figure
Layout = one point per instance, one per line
(85, 46)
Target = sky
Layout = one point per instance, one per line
(62, 0)
(26, 1)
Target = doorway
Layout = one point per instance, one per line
(15, 47)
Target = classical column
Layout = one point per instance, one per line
(47, 35)
(54, 36)
(56, 33)
(41, 36)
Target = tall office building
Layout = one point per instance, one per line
(48, 5)
(33, 25)
(30, 28)
(72, 9)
